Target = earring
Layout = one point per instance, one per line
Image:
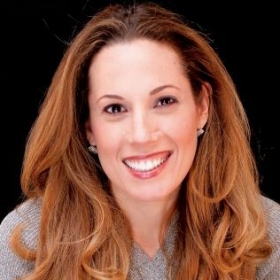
(92, 149)
(200, 131)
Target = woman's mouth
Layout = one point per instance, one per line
(148, 163)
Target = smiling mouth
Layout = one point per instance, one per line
(146, 165)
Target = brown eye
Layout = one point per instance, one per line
(165, 101)
(114, 109)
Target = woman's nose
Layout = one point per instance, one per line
(143, 129)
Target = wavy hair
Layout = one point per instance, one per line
(83, 234)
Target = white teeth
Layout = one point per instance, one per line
(144, 165)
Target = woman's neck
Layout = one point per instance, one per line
(149, 222)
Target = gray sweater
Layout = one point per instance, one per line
(12, 267)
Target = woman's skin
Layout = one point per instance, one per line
(144, 121)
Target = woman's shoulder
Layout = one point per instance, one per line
(269, 203)
(27, 214)
(272, 211)
(270, 269)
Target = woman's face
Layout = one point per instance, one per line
(143, 119)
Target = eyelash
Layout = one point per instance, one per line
(118, 108)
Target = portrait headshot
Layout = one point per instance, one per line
(140, 141)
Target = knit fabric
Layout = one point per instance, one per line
(142, 267)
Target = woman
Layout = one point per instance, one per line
(139, 164)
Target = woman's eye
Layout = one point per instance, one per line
(114, 109)
(166, 101)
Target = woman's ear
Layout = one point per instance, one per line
(204, 103)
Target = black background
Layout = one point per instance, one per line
(34, 35)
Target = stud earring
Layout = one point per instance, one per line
(200, 131)
(92, 149)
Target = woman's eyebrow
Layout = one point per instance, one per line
(158, 89)
(112, 96)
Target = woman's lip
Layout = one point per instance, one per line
(151, 156)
